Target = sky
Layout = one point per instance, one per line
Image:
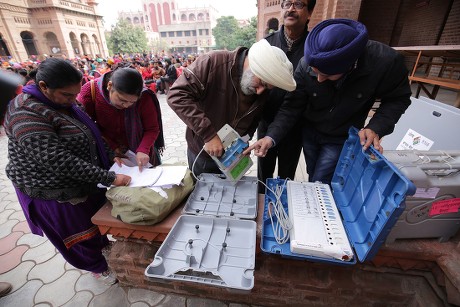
(241, 9)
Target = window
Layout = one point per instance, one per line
(207, 31)
(187, 33)
(200, 31)
(171, 33)
(163, 34)
(193, 32)
(179, 33)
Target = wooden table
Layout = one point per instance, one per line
(446, 72)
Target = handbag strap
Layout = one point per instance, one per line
(93, 91)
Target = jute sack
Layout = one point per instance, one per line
(143, 206)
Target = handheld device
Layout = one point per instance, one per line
(232, 163)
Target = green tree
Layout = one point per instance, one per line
(224, 32)
(246, 36)
(126, 38)
(229, 35)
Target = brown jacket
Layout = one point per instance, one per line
(207, 96)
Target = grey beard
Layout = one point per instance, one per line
(246, 83)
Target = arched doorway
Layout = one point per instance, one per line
(3, 47)
(53, 44)
(28, 42)
(85, 44)
(98, 46)
(74, 43)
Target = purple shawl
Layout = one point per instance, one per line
(78, 115)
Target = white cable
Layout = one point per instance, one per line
(193, 165)
(282, 224)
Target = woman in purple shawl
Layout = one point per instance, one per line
(56, 159)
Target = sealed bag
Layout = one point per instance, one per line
(144, 206)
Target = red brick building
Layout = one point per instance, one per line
(393, 22)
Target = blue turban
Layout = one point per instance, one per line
(334, 45)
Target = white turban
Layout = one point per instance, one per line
(271, 65)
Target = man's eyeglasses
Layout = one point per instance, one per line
(298, 5)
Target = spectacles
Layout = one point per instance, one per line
(298, 5)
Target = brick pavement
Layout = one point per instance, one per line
(39, 274)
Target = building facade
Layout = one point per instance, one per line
(187, 30)
(36, 28)
(393, 22)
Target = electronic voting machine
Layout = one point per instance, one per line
(340, 224)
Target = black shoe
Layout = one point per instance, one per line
(5, 288)
(162, 92)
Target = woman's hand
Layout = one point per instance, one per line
(118, 161)
(142, 160)
(120, 152)
(122, 180)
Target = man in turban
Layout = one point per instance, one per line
(339, 79)
(226, 87)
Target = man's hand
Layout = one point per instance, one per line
(260, 147)
(368, 137)
(214, 147)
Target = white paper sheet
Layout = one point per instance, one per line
(146, 178)
(171, 175)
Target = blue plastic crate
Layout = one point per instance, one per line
(369, 192)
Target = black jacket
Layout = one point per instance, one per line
(276, 95)
(331, 108)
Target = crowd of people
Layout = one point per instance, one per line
(300, 89)
(153, 67)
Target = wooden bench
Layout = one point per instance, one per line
(437, 82)
(440, 67)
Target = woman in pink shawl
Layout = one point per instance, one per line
(127, 114)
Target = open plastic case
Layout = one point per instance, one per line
(214, 241)
(369, 192)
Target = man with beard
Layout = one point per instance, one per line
(226, 87)
(339, 79)
(291, 39)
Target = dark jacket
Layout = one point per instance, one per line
(171, 73)
(332, 107)
(51, 155)
(276, 96)
(207, 96)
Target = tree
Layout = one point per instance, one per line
(246, 36)
(127, 38)
(158, 45)
(229, 35)
(224, 32)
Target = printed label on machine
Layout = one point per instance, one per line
(414, 140)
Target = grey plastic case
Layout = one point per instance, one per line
(215, 246)
(436, 174)
(214, 196)
(430, 118)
